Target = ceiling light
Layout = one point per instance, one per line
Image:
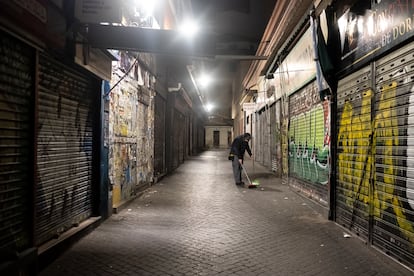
(204, 80)
(208, 107)
(189, 28)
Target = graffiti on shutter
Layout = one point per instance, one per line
(64, 164)
(393, 190)
(353, 147)
(374, 185)
(309, 142)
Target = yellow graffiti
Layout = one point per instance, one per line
(386, 125)
(356, 160)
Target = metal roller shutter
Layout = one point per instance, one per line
(308, 150)
(16, 86)
(178, 146)
(180, 125)
(63, 196)
(256, 136)
(273, 138)
(393, 193)
(266, 137)
(261, 139)
(354, 165)
(159, 136)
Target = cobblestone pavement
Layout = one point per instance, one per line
(197, 222)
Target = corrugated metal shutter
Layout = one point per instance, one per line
(353, 149)
(256, 136)
(261, 139)
(276, 139)
(159, 136)
(375, 190)
(393, 194)
(266, 137)
(308, 151)
(272, 132)
(178, 139)
(63, 196)
(16, 86)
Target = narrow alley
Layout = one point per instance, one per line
(197, 222)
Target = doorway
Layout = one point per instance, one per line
(216, 138)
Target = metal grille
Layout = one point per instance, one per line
(259, 139)
(16, 86)
(308, 151)
(375, 190)
(63, 196)
(265, 126)
(354, 166)
(393, 192)
(277, 149)
(178, 139)
(159, 136)
(272, 136)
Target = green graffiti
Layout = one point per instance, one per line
(308, 155)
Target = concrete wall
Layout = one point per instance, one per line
(223, 131)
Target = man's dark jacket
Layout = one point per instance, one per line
(239, 146)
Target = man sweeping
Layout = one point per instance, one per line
(238, 147)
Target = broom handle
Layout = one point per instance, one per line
(245, 172)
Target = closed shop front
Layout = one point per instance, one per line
(275, 142)
(178, 139)
(178, 125)
(393, 193)
(64, 148)
(374, 195)
(159, 136)
(374, 190)
(354, 160)
(309, 143)
(262, 125)
(16, 147)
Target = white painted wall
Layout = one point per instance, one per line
(223, 135)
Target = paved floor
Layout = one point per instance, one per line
(197, 222)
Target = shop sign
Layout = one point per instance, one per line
(371, 32)
(249, 107)
(98, 11)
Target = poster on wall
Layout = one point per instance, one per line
(367, 30)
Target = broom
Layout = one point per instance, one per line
(253, 184)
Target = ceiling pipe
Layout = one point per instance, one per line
(190, 72)
(175, 89)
